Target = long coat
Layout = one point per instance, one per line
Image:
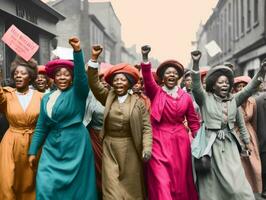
(169, 171)
(226, 176)
(66, 167)
(139, 118)
(261, 122)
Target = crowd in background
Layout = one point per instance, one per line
(71, 130)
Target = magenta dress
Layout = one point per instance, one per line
(169, 171)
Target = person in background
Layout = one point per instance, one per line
(126, 128)
(203, 73)
(169, 171)
(66, 169)
(42, 81)
(251, 163)
(226, 176)
(93, 120)
(261, 134)
(21, 107)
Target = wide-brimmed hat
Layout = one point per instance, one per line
(242, 79)
(170, 63)
(221, 70)
(51, 66)
(123, 68)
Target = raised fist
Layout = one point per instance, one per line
(145, 49)
(96, 50)
(196, 55)
(75, 43)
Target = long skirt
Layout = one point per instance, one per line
(122, 171)
(226, 180)
(66, 168)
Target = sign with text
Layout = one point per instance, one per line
(213, 48)
(20, 43)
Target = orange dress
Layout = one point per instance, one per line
(17, 179)
(252, 164)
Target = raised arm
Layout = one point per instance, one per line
(150, 85)
(197, 89)
(80, 82)
(247, 91)
(98, 89)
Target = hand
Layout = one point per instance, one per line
(196, 55)
(146, 156)
(75, 43)
(145, 50)
(96, 50)
(32, 161)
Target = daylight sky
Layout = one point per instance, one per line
(168, 26)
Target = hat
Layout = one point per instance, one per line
(170, 63)
(242, 79)
(104, 67)
(123, 68)
(51, 66)
(218, 70)
(41, 69)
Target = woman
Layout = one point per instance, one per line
(251, 163)
(66, 166)
(21, 106)
(126, 128)
(226, 178)
(93, 120)
(169, 171)
(42, 81)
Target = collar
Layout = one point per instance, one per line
(122, 99)
(228, 98)
(172, 92)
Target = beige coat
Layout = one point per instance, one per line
(139, 115)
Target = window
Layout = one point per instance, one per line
(242, 16)
(256, 10)
(248, 14)
(236, 7)
(229, 26)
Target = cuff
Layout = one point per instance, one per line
(92, 64)
(195, 72)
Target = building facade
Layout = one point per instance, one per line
(34, 18)
(239, 28)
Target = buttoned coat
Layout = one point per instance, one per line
(139, 115)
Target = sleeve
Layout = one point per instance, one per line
(244, 136)
(40, 132)
(98, 89)
(147, 130)
(192, 117)
(3, 99)
(197, 89)
(150, 85)
(80, 81)
(247, 91)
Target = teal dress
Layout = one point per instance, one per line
(66, 166)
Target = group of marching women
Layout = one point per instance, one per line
(97, 135)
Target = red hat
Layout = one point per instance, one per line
(41, 69)
(122, 68)
(242, 79)
(203, 72)
(170, 63)
(51, 66)
(104, 67)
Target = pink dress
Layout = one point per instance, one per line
(169, 171)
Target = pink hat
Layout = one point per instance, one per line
(51, 66)
(41, 69)
(242, 79)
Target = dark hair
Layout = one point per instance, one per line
(213, 78)
(161, 73)
(128, 76)
(31, 67)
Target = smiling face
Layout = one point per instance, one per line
(63, 79)
(170, 77)
(41, 82)
(21, 78)
(120, 84)
(222, 86)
